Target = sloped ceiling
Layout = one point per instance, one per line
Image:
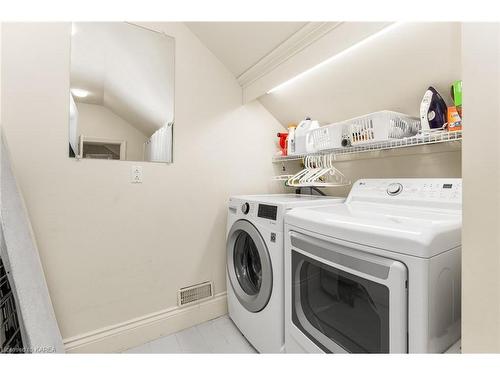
(391, 72)
(128, 69)
(388, 72)
(240, 45)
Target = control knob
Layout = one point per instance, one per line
(394, 188)
(245, 208)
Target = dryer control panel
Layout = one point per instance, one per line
(445, 192)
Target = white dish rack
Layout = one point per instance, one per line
(371, 128)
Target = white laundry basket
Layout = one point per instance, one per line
(326, 137)
(378, 127)
(374, 127)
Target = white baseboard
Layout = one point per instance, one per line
(122, 336)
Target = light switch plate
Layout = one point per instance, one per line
(136, 174)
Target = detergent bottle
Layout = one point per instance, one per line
(301, 144)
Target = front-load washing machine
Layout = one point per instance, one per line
(379, 273)
(255, 290)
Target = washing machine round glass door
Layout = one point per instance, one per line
(249, 266)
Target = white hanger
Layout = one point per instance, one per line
(294, 180)
(315, 168)
(326, 167)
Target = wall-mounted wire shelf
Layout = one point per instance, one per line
(417, 140)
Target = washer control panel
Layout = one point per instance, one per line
(408, 189)
(252, 210)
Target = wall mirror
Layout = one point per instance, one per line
(121, 92)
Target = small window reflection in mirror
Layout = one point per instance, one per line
(121, 97)
(95, 148)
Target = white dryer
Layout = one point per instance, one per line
(255, 290)
(380, 273)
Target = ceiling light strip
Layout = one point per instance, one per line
(330, 59)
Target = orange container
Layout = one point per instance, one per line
(454, 120)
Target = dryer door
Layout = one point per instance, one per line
(346, 300)
(249, 266)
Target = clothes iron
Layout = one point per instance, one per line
(433, 111)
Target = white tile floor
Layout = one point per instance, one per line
(215, 336)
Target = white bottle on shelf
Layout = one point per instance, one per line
(301, 144)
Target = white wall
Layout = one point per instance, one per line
(95, 120)
(127, 264)
(481, 174)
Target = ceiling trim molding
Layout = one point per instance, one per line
(307, 35)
